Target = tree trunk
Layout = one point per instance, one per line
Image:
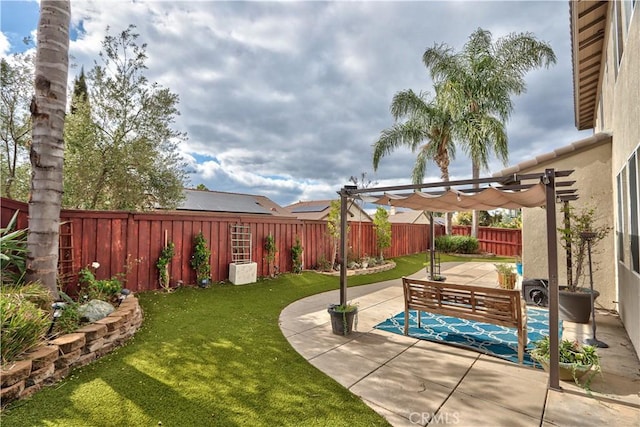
(475, 220)
(47, 150)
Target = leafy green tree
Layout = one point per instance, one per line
(80, 90)
(424, 125)
(383, 230)
(122, 152)
(477, 85)
(16, 89)
(47, 149)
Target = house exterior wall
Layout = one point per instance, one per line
(593, 182)
(619, 113)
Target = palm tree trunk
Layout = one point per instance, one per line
(47, 150)
(475, 169)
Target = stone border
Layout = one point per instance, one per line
(53, 361)
(389, 265)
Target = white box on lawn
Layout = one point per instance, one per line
(241, 274)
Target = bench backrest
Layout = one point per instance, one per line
(500, 306)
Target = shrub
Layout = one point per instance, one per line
(457, 244)
(91, 288)
(13, 253)
(24, 324)
(296, 256)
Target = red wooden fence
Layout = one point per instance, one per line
(500, 241)
(131, 242)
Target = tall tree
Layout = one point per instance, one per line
(477, 85)
(16, 88)
(122, 152)
(424, 125)
(80, 90)
(47, 150)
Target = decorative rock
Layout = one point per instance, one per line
(8, 394)
(30, 391)
(94, 345)
(68, 358)
(93, 331)
(40, 375)
(85, 359)
(15, 372)
(95, 310)
(70, 342)
(43, 356)
(112, 322)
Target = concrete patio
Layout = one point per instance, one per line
(411, 382)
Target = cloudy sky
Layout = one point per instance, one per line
(285, 99)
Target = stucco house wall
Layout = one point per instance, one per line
(619, 113)
(591, 161)
(615, 108)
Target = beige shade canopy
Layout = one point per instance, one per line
(455, 200)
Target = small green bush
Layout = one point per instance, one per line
(457, 244)
(24, 325)
(91, 288)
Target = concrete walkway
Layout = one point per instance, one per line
(412, 382)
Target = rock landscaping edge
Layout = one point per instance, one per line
(54, 360)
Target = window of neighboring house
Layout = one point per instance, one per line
(620, 222)
(634, 220)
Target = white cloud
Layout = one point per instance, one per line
(288, 97)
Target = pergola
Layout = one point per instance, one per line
(511, 192)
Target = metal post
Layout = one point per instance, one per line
(343, 246)
(432, 246)
(552, 253)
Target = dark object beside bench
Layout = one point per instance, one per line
(502, 307)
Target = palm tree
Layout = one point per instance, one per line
(422, 125)
(47, 150)
(477, 84)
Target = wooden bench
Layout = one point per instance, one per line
(490, 305)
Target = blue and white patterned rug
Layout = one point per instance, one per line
(494, 340)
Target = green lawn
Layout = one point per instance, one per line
(209, 357)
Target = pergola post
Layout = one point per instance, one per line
(552, 253)
(344, 194)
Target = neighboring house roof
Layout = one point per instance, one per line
(318, 210)
(218, 201)
(560, 153)
(588, 25)
(409, 217)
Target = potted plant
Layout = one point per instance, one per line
(580, 230)
(343, 318)
(200, 260)
(506, 276)
(575, 360)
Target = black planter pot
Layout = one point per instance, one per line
(342, 322)
(576, 306)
